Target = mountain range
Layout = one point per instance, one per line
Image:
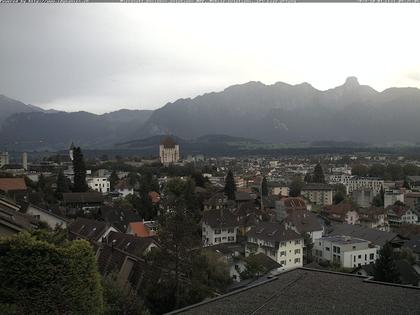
(277, 113)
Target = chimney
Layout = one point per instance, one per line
(25, 161)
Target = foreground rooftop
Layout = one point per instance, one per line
(311, 291)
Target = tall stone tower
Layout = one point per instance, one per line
(25, 161)
(168, 151)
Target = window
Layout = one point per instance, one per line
(283, 253)
(327, 249)
(224, 238)
(297, 251)
(354, 247)
(231, 239)
(282, 244)
(297, 242)
(359, 257)
(282, 262)
(217, 231)
(372, 256)
(297, 260)
(217, 240)
(231, 230)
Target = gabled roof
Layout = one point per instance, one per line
(294, 203)
(119, 217)
(88, 229)
(140, 229)
(273, 232)
(243, 196)
(219, 218)
(168, 142)
(11, 184)
(304, 221)
(397, 210)
(376, 237)
(317, 186)
(129, 243)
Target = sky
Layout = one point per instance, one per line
(104, 57)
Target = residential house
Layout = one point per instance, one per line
(219, 226)
(363, 197)
(412, 199)
(374, 217)
(347, 251)
(218, 201)
(123, 188)
(118, 217)
(142, 228)
(82, 201)
(14, 188)
(248, 215)
(138, 246)
(414, 182)
(12, 221)
(399, 214)
(278, 189)
(278, 241)
(99, 184)
(344, 212)
(284, 206)
(392, 196)
(52, 219)
(91, 230)
(305, 222)
(318, 193)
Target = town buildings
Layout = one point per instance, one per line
(347, 251)
(219, 226)
(278, 241)
(99, 184)
(318, 193)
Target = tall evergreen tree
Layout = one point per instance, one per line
(79, 169)
(230, 186)
(264, 187)
(318, 176)
(296, 186)
(62, 185)
(113, 180)
(385, 268)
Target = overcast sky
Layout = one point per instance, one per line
(103, 57)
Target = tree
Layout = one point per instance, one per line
(118, 300)
(309, 245)
(296, 186)
(113, 180)
(318, 176)
(308, 178)
(338, 197)
(199, 179)
(385, 268)
(230, 186)
(62, 184)
(264, 187)
(359, 170)
(39, 277)
(79, 169)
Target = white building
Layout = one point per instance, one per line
(278, 241)
(303, 222)
(53, 220)
(357, 183)
(219, 226)
(348, 252)
(99, 184)
(168, 151)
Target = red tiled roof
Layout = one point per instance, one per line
(7, 184)
(140, 230)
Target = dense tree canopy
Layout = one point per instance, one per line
(296, 186)
(41, 277)
(385, 267)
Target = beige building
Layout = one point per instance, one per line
(319, 194)
(168, 151)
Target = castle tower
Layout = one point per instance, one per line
(25, 161)
(168, 151)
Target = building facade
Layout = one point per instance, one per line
(348, 252)
(99, 184)
(169, 151)
(319, 194)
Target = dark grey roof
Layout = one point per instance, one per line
(265, 262)
(376, 237)
(119, 217)
(83, 197)
(129, 243)
(304, 221)
(414, 245)
(310, 291)
(219, 218)
(243, 196)
(88, 229)
(273, 232)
